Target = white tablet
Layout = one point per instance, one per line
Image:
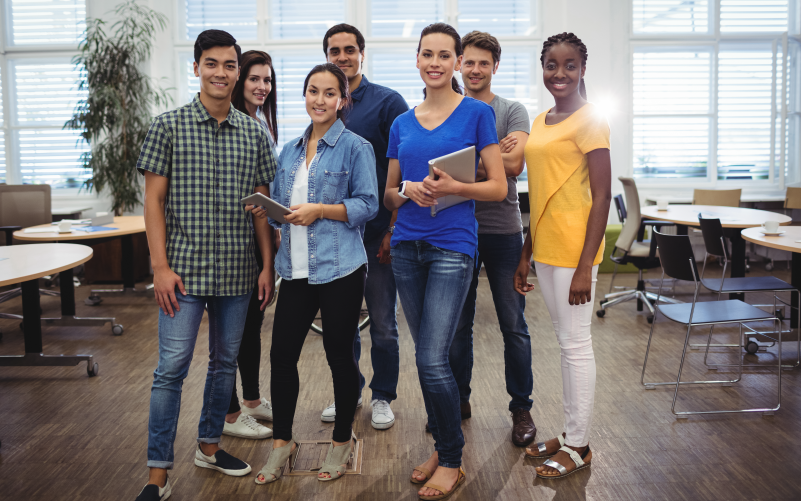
(273, 208)
(460, 165)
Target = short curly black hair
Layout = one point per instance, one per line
(564, 38)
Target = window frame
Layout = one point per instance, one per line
(713, 40)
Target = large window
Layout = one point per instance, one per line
(292, 33)
(40, 87)
(715, 86)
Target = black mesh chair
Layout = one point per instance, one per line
(715, 245)
(678, 262)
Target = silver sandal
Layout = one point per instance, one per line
(336, 457)
(275, 464)
(542, 450)
(578, 459)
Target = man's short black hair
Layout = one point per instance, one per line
(215, 38)
(343, 28)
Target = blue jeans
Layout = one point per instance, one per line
(500, 255)
(432, 285)
(380, 294)
(177, 338)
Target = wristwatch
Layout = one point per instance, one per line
(391, 230)
(402, 190)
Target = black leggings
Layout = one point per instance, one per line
(249, 358)
(339, 303)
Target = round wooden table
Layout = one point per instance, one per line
(733, 220)
(790, 241)
(26, 264)
(126, 227)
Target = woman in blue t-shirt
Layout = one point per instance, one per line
(432, 258)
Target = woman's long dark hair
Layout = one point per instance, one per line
(343, 84)
(248, 60)
(445, 29)
(574, 41)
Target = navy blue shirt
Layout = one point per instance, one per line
(472, 123)
(374, 109)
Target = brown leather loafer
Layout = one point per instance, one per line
(467, 412)
(523, 429)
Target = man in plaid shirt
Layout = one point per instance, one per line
(199, 161)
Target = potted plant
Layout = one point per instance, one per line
(116, 114)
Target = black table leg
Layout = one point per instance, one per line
(737, 259)
(31, 320)
(127, 262)
(795, 280)
(68, 317)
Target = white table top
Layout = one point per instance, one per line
(743, 198)
(730, 217)
(125, 226)
(20, 263)
(790, 241)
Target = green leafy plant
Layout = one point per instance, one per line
(116, 114)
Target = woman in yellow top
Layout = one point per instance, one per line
(569, 178)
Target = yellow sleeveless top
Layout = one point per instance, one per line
(559, 184)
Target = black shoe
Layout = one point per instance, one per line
(222, 462)
(153, 492)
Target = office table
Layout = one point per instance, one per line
(127, 226)
(26, 264)
(733, 220)
(787, 242)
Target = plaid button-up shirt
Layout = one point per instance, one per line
(211, 166)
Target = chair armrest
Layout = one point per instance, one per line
(9, 231)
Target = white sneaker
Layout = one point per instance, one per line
(329, 414)
(383, 418)
(263, 411)
(247, 427)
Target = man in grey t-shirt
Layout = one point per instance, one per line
(500, 240)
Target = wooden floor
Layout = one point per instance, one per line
(67, 436)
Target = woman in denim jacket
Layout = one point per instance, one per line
(327, 177)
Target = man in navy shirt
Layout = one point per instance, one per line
(374, 109)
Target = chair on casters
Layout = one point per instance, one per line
(23, 205)
(678, 262)
(715, 245)
(630, 248)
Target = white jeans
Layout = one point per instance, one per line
(572, 326)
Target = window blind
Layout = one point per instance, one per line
(2, 134)
(46, 21)
(670, 16)
(398, 71)
(306, 19)
(404, 19)
(291, 70)
(744, 114)
(45, 96)
(671, 104)
(500, 17)
(239, 21)
(753, 15)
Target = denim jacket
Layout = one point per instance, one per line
(343, 172)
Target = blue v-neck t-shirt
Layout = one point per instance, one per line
(472, 123)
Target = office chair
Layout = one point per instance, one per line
(715, 245)
(678, 261)
(631, 248)
(720, 198)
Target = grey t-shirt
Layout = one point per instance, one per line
(503, 218)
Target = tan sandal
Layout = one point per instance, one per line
(336, 461)
(425, 471)
(542, 450)
(445, 493)
(276, 461)
(578, 459)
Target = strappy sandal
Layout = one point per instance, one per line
(579, 460)
(274, 468)
(335, 459)
(425, 471)
(445, 493)
(542, 449)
